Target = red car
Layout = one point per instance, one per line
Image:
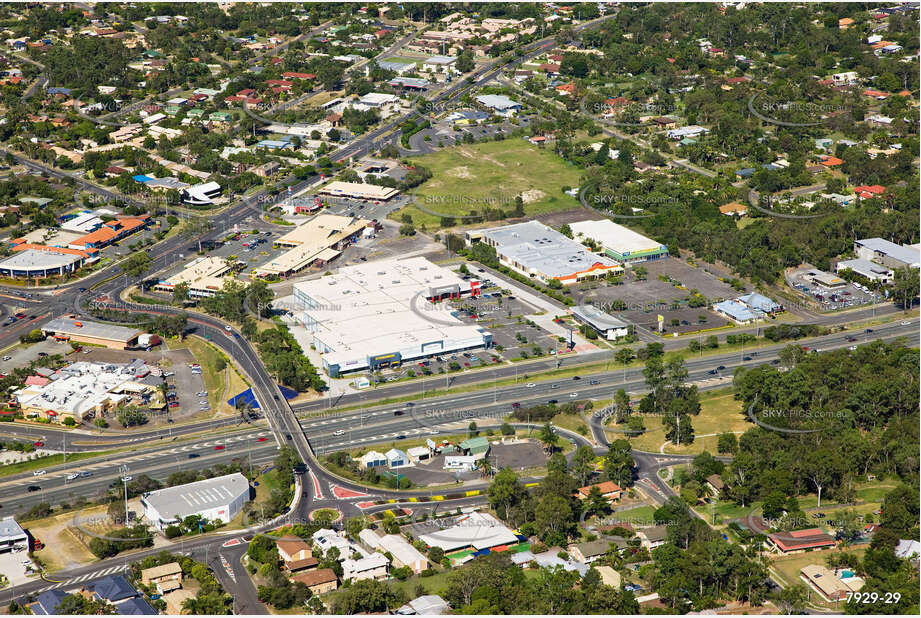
(39, 443)
(219, 447)
(261, 439)
(174, 404)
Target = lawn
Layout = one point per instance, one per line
(641, 515)
(719, 412)
(47, 462)
(465, 178)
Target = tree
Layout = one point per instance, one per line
(727, 443)
(792, 599)
(621, 406)
(505, 493)
(905, 287)
(136, 264)
(619, 464)
(436, 555)
(547, 437)
(181, 292)
(553, 519)
(566, 231)
(582, 461)
(595, 503)
(367, 596)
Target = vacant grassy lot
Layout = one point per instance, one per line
(719, 412)
(490, 175)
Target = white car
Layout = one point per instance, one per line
(573, 395)
(73, 475)
(530, 385)
(852, 348)
(127, 478)
(38, 472)
(339, 432)
(906, 323)
(6, 358)
(228, 328)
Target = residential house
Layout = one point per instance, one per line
(652, 537)
(828, 584)
(716, 484)
(166, 577)
(733, 208)
(610, 490)
(296, 554)
(319, 581)
(799, 540)
(590, 551)
(373, 566)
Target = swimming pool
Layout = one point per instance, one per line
(845, 574)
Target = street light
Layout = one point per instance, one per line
(124, 471)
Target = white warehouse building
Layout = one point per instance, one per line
(221, 498)
(383, 313)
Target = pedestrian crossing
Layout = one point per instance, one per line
(73, 581)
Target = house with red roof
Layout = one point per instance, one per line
(879, 95)
(550, 69)
(295, 75)
(609, 489)
(868, 191)
(829, 161)
(568, 89)
(800, 540)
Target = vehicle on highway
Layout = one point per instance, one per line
(73, 475)
(906, 323)
(85, 474)
(38, 472)
(573, 395)
(262, 439)
(748, 358)
(194, 455)
(399, 412)
(228, 328)
(554, 386)
(219, 447)
(339, 432)
(530, 385)
(34, 488)
(576, 378)
(721, 367)
(38, 444)
(553, 401)
(594, 382)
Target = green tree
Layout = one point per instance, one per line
(136, 264)
(367, 596)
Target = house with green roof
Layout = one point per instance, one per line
(475, 446)
(219, 116)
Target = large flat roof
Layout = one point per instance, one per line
(85, 328)
(597, 318)
(311, 241)
(206, 273)
(908, 255)
(613, 236)
(381, 307)
(185, 500)
(538, 247)
(359, 190)
(36, 259)
(477, 530)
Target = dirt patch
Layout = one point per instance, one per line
(532, 195)
(461, 172)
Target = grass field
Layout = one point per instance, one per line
(719, 412)
(47, 462)
(466, 177)
(641, 515)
